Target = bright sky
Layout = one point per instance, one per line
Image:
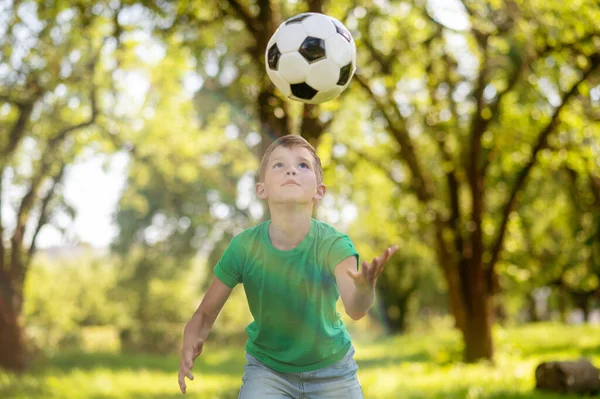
(95, 192)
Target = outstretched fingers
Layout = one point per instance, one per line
(181, 380)
(382, 259)
(185, 367)
(386, 255)
(370, 271)
(184, 371)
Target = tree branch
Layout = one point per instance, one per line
(523, 174)
(451, 177)
(468, 9)
(18, 130)
(567, 45)
(475, 178)
(62, 134)
(378, 56)
(245, 16)
(43, 219)
(439, 25)
(373, 161)
(478, 123)
(385, 61)
(17, 270)
(15, 136)
(519, 70)
(420, 183)
(7, 99)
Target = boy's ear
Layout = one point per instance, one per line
(261, 192)
(321, 189)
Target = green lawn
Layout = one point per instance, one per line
(412, 366)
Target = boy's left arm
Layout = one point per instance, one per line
(357, 288)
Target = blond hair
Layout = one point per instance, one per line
(290, 141)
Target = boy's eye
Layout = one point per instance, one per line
(304, 165)
(277, 164)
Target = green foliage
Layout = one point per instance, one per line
(71, 298)
(420, 365)
(64, 294)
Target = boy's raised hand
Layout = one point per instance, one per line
(366, 277)
(189, 353)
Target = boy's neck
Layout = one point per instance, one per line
(288, 227)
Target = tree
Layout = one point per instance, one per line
(488, 97)
(47, 110)
(59, 100)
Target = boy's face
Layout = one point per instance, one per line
(290, 177)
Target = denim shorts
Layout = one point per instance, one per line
(338, 381)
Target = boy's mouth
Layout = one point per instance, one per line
(290, 182)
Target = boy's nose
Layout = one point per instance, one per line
(291, 172)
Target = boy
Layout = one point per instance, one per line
(293, 268)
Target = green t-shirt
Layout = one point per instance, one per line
(292, 296)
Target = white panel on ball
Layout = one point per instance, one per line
(293, 68)
(319, 26)
(323, 75)
(338, 50)
(279, 82)
(327, 95)
(290, 37)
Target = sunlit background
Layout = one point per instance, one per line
(130, 135)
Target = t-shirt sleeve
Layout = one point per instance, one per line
(341, 248)
(229, 268)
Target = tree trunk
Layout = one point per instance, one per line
(12, 345)
(478, 331)
(478, 313)
(582, 300)
(452, 278)
(562, 304)
(586, 310)
(532, 311)
(472, 307)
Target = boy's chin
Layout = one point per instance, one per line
(292, 201)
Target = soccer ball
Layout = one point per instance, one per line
(311, 58)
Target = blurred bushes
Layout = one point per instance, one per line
(82, 302)
(64, 294)
(87, 302)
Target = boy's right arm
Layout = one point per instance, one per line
(197, 328)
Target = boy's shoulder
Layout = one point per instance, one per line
(324, 230)
(250, 233)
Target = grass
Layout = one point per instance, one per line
(411, 366)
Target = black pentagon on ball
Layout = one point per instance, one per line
(312, 49)
(298, 19)
(342, 31)
(303, 91)
(344, 75)
(273, 56)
